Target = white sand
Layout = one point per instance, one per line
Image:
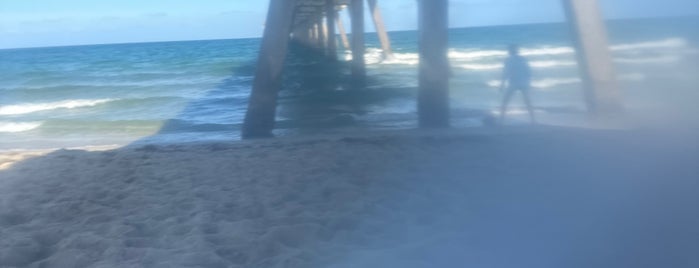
(519, 197)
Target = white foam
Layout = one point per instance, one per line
(375, 56)
(554, 82)
(493, 83)
(542, 83)
(666, 59)
(468, 55)
(534, 64)
(548, 51)
(403, 58)
(552, 64)
(14, 127)
(667, 43)
(544, 51)
(550, 82)
(26, 108)
(674, 43)
(480, 67)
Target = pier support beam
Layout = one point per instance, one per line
(324, 35)
(602, 91)
(343, 32)
(358, 46)
(330, 15)
(262, 106)
(380, 29)
(317, 40)
(321, 34)
(310, 34)
(433, 96)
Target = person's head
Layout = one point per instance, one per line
(513, 50)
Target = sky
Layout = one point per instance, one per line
(36, 23)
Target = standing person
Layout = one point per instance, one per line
(517, 75)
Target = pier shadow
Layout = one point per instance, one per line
(317, 95)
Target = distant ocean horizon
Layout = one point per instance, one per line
(616, 20)
(181, 91)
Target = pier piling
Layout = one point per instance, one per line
(330, 15)
(380, 29)
(262, 106)
(602, 93)
(433, 95)
(358, 46)
(343, 32)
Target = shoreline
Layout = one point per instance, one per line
(8, 156)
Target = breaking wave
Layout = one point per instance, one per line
(14, 127)
(27, 108)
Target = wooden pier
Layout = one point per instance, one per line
(316, 24)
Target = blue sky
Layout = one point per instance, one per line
(29, 23)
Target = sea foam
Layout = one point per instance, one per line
(498, 66)
(14, 127)
(665, 43)
(542, 83)
(27, 108)
(474, 59)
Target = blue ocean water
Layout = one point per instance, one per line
(197, 90)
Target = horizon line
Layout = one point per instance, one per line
(369, 32)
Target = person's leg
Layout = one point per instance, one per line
(528, 103)
(503, 107)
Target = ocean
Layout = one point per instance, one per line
(197, 90)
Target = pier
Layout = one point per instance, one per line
(316, 24)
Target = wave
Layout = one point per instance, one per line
(554, 82)
(124, 81)
(480, 67)
(456, 54)
(374, 55)
(27, 108)
(563, 50)
(534, 64)
(544, 51)
(14, 127)
(406, 59)
(666, 43)
(666, 59)
(542, 83)
(552, 64)
(468, 57)
(550, 82)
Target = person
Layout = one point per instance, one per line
(517, 76)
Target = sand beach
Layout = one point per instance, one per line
(500, 197)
